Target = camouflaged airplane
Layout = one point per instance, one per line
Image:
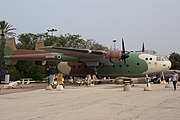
(81, 62)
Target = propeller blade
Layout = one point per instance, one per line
(143, 47)
(124, 61)
(125, 54)
(123, 46)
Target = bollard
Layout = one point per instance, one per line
(127, 87)
(178, 83)
(91, 85)
(147, 87)
(59, 88)
(7, 77)
(168, 86)
(127, 84)
(163, 82)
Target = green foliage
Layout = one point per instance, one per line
(92, 45)
(51, 41)
(29, 69)
(73, 41)
(5, 30)
(68, 40)
(175, 60)
(14, 73)
(26, 41)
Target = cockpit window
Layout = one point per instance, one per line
(161, 58)
(166, 58)
(158, 58)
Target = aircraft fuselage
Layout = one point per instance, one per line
(138, 64)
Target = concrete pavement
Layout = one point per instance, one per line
(101, 102)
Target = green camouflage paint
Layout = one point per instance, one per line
(132, 67)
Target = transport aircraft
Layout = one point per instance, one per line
(82, 62)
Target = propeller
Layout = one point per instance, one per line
(143, 48)
(125, 54)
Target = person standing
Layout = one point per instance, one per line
(60, 79)
(174, 79)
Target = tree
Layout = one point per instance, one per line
(29, 68)
(5, 29)
(15, 74)
(91, 44)
(73, 41)
(27, 41)
(175, 60)
(51, 41)
(67, 40)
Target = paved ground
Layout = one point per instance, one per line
(101, 102)
(22, 88)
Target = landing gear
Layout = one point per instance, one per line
(156, 79)
(163, 82)
(148, 85)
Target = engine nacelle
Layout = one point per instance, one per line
(113, 54)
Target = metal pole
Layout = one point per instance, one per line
(114, 41)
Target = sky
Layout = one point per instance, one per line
(154, 22)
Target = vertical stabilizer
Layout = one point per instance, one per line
(9, 49)
(9, 46)
(39, 44)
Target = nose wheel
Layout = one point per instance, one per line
(148, 85)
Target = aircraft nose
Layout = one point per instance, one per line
(169, 64)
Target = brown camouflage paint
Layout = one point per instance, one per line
(12, 54)
(113, 54)
(75, 68)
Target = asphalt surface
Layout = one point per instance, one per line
(100, 102)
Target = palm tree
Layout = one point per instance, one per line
(5, 29)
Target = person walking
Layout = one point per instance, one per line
(174, 79)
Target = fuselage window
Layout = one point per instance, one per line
(150, 58)
(79, 66)
(137, 63)
(74, 66)
(120, 65)
(146, 58)
(113, 65)
(127, 65)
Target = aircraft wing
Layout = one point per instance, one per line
(81, 53)
(90, 57)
